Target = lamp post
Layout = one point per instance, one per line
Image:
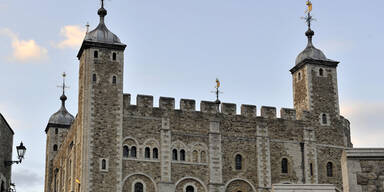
(20, 155)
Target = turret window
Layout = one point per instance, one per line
(55, 147)
(56, 131)
(96, 54)
(321, 72)
(94, 78)
(324, 119)
(155, 153)
(284, 165)
(114, 56)
(238, 162)
(299, 76)
(103, 164)
(114, 80)
(329, 169)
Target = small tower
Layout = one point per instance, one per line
(56, 130)
(100, 115)
(315, 81)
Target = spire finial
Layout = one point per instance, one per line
(217, 92)
(308, 20)
(102, 12)
(102, 3)
(87, 26)
(63, 98)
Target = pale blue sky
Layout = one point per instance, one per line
(177, 48)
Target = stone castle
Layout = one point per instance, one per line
(113, 145)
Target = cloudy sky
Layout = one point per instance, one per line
(177, 48)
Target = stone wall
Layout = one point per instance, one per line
(6, 145)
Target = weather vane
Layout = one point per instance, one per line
(217, 92)
(63, 86)
(309, 17)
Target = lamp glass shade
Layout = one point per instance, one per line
(21, 150)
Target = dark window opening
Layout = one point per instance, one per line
(299, 76)
(147, 153)
(139, 187)
(311, 169)
(54, 147)
(324, 119)
(182, 155)
(321, 72)
(190, 189)
(56, 131)
(125, 151)
(96, 54)
(114, 56)
(114, 79)
(155, 153)
(284, 165)
(329, 169)
(133, 152)
(103, 164)
(238, 162)
(94, 78)
(174, 155)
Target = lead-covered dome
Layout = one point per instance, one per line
(62, 118)
(101, 33)
(311, 52)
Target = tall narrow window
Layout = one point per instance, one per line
(182, 155)
(284, 165)
(139, 187)
(324, 119)
(133, 152)
(96, 54)
(125, 151)
(299, 76)
(329, 169)
(55, 147)
(103, 164)
(174, 155)
(155, 153)
(238, 162)
(194, 156)
(190, 189)
(56, 131)
(203, 157)
(114, 56)
(94, 78)
(147, 153)
(311, 169)
(321, 72)
(114, 80)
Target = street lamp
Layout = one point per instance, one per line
(20, 155)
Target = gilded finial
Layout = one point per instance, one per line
(309, 17)
(63, 97)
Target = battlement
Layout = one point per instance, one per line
(169, 104)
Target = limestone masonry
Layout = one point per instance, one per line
(113, 145)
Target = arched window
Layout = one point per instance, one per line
(194, 156)
(190, 189)
(321, 72)
(299, 76)
(56, 131)
(94, 79)
(329, 169)
(125, 151)
(139, 187)
(133, 152)
(174, 155)
(203, 157)
(324, 119)
(55, 147)
(238, 162)
(114, 80)
(96, 54)
(103, 164)
(114, 56)
(284, 165)
(155, 153)
(182, 155)
(147, 153)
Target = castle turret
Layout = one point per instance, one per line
(101, 108)
(315, 82)
(56, 130)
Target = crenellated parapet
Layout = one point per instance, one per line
(209, 107)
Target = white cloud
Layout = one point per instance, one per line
(74, 36)
(24, 50)
(366, 118)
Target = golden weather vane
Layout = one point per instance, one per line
(309, 17)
